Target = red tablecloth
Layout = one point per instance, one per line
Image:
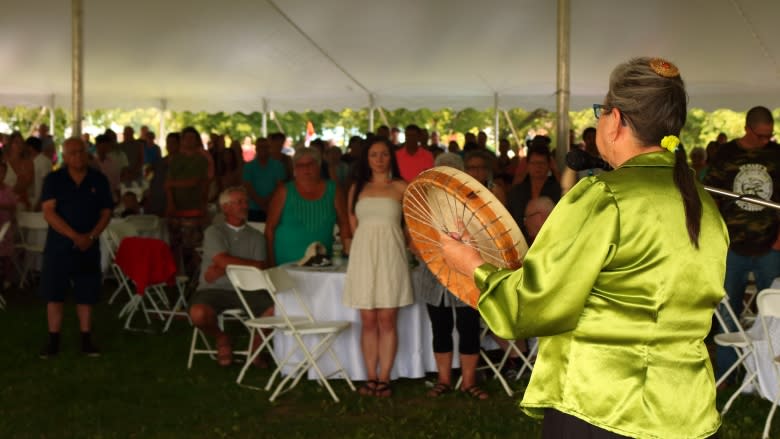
(146, 261)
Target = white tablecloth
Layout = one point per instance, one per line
(322, 291)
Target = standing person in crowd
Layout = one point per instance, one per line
(76, 202)
(152, 151)
(440, 303)
(304, 211)
(537, 182)
(261, 176)
(410, 157)
(538, 142)
(156, 202)
(134, 151)
(21, 171)
(186, 188)
(7, 215)
(479, 164)
(234, 167)
(378, 280)
(48, 148)
(41, 168)
(749, 165)
(228, 243)
(106, 164)
(276, 141)
(505, 165)
(649, 249)
(699, 162)
(338, 171)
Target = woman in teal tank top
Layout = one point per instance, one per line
(304, 210)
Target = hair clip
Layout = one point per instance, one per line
(664, 68)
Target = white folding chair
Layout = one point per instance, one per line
(250, 278)
(263, 327)
(490, 364)
(3, 231)
(257, 225)
(741, 342)
(31, 228)
(115, 232)
(768, 302)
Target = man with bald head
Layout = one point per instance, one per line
(536, 212)
(76, 202)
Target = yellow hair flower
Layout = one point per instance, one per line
(670, 143)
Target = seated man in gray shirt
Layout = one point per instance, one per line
(228, 243)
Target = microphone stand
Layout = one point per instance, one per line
(739, 197)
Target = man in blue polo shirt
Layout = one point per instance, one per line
(76, 202)
(261, 176)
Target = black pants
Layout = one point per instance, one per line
(467, 320)
(558, 425)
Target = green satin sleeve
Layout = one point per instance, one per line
(547, 295)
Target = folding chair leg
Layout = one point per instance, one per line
(742, 354)
(748, 380)
(196, 333)
(309, 361)
(768, 422)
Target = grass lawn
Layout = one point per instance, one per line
(141, 388)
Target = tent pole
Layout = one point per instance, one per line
(496, 114)
(51, 114)
(265, 118)
(77, 60)
(562, 93)
(383, 116)
(371, 105)
(514, 133)
(163, 108)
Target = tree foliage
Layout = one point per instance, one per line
(701, 126)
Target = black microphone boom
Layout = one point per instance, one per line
(580, 160)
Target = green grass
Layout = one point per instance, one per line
(141, 388)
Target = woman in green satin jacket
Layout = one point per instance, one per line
(621, 283)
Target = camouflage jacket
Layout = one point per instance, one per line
(756, 173)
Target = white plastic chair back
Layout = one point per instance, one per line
(144, 224)
(257, 225)
(246, 278)
(116, 231)
(31, 220)
(27, 222)
(768, 302)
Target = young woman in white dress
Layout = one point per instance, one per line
(378, 280)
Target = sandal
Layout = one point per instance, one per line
(383, 390)
(476, 393)
(438, 390)
(224, 354)
(368, 389)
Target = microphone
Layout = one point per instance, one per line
(580, 160)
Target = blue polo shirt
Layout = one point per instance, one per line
(263, 179)
(79, 205)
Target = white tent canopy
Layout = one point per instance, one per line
(231, 55)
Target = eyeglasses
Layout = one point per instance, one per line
(598, 110)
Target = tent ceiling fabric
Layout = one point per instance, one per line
(230, 55)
